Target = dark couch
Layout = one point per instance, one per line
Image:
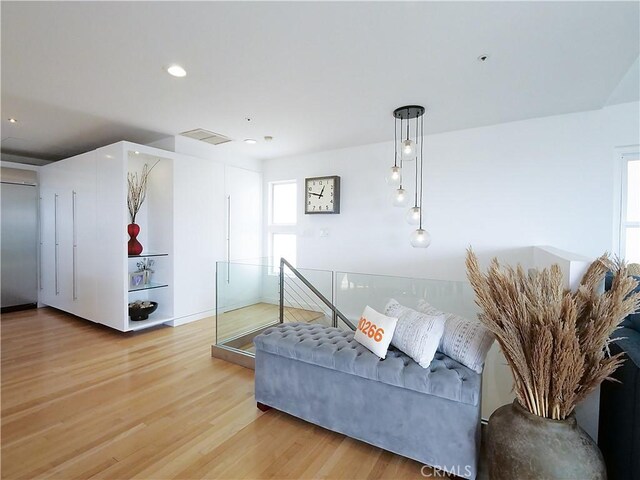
(619, 425)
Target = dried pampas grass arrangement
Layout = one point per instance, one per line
(555, 341)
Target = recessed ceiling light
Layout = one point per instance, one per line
(483, 58)
(250, 141)
(137, 152)
(12, 120)
(177, 71)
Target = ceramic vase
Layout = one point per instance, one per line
(524, 446)
(134, 246)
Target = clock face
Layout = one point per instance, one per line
(322, 195)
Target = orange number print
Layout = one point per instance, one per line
(371, 330)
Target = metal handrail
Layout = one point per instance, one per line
(336, 313)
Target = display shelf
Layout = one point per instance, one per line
(143, 255)
(148, 286)
(152, 321)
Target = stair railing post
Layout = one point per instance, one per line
(333, 300)
(281, 290)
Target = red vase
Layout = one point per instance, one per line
(134, 246)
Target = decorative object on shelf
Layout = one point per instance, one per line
(137, 279)
(134, 247)
(136, 195)
(409, 151)
(145, 266)
(140, 310)
(556, 345)
(322, 195)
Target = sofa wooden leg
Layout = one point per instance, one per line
(262, 407)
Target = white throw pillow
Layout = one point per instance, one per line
(375, 331)
(416, 334)
(465, 341)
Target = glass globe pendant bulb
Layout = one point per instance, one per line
(413, 216)
(394, 178)
(420, 238)
(400, 198)
(408, 149)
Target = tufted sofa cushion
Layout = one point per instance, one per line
(337, 350)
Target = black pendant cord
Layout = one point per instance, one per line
(415, 203)
(421, 165)
(395, 142)
(401, 169)
(407, 129)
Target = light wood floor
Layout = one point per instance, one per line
(245, 319)
(83, 401)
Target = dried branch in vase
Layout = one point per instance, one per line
(555, 341)
(137, 190)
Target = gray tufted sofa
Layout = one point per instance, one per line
(322, 375)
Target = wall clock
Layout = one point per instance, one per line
(322, 194)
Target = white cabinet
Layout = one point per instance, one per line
(68, 196)
(199, 236)
(111, 219)
(192, 206)
(243, 189)
(244, 214)
(84, 261)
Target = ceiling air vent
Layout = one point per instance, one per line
(206, 136)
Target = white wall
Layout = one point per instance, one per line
(500, 189)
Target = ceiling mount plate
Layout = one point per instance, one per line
(409, 111)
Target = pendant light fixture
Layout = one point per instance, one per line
(420, 238)
(411, 149)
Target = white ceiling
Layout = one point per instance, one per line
(315, 76)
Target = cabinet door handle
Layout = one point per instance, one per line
(228, 238)
(55, 238)
(75, 245)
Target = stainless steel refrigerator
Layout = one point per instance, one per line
(19, 237)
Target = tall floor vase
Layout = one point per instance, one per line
(524, 446)
(134, 246)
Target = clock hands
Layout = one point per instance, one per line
(319, 195)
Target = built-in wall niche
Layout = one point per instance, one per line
(155, 217)
(155, 220)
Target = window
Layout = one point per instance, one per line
(283, 216)
(630, 211)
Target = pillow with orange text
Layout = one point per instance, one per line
(375, 331)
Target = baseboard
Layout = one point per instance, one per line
(191, 318)
(237, 306)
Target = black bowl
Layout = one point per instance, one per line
(142, 313)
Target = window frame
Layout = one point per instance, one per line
(626, 156)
